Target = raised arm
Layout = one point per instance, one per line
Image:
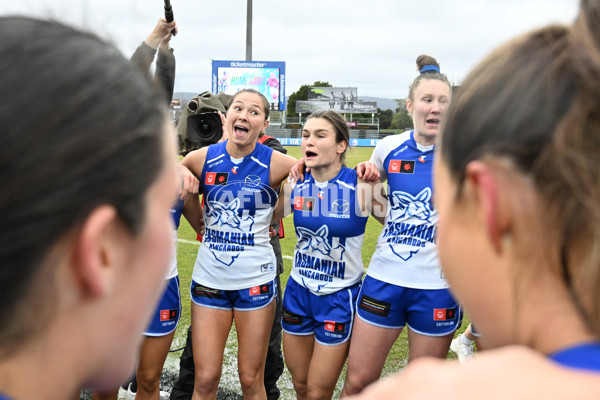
(145, 53)
(164, 76)
(143, 56)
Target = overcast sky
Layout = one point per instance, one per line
(368, 44)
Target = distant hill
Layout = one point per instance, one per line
(382, 102)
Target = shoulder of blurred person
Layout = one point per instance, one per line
(490, 375)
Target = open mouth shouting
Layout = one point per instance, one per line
(433, 122)
(309, 155)
(240, 131)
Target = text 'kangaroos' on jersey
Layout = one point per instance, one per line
(330, 230)
(238, 206)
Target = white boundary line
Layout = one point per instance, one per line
(189, 241)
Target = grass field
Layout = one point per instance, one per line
(187, 248)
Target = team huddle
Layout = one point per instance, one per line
(87, 238)
(329, 313)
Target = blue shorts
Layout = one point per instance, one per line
(253, 298)
(166, 316)
(329, 317)
(430, 312)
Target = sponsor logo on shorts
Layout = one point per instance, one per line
(401, 167)
(304, 203)
(168, 315)
(444, 314)
(216, 178)
(336, 327)
(291, 318)
(374, 306)
(203, 291)
(258, 290)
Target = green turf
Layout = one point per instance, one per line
(186, 256)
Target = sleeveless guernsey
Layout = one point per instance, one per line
(406, 253)
(330, 230)
(238, 205)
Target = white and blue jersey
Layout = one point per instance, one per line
(406, 253)
(330, 228)
(238, 205)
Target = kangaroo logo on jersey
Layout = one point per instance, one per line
(319, 242)
(227, 214)
(409, 227)
(309, 262)
(401, 167)
(227, 245)
(231, 213)
(314, 241)
(405, 205)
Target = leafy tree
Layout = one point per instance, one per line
(402, 120)
(302, 95)
(385, 118)
(401, 104)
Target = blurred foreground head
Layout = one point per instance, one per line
(86, 176)
(520, 152)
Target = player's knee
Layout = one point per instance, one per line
(206, 381)
(250, 379)
(354, 384)
(148, 381)
(319, 393)
(300, 388)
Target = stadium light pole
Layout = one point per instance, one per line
(249, 31)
